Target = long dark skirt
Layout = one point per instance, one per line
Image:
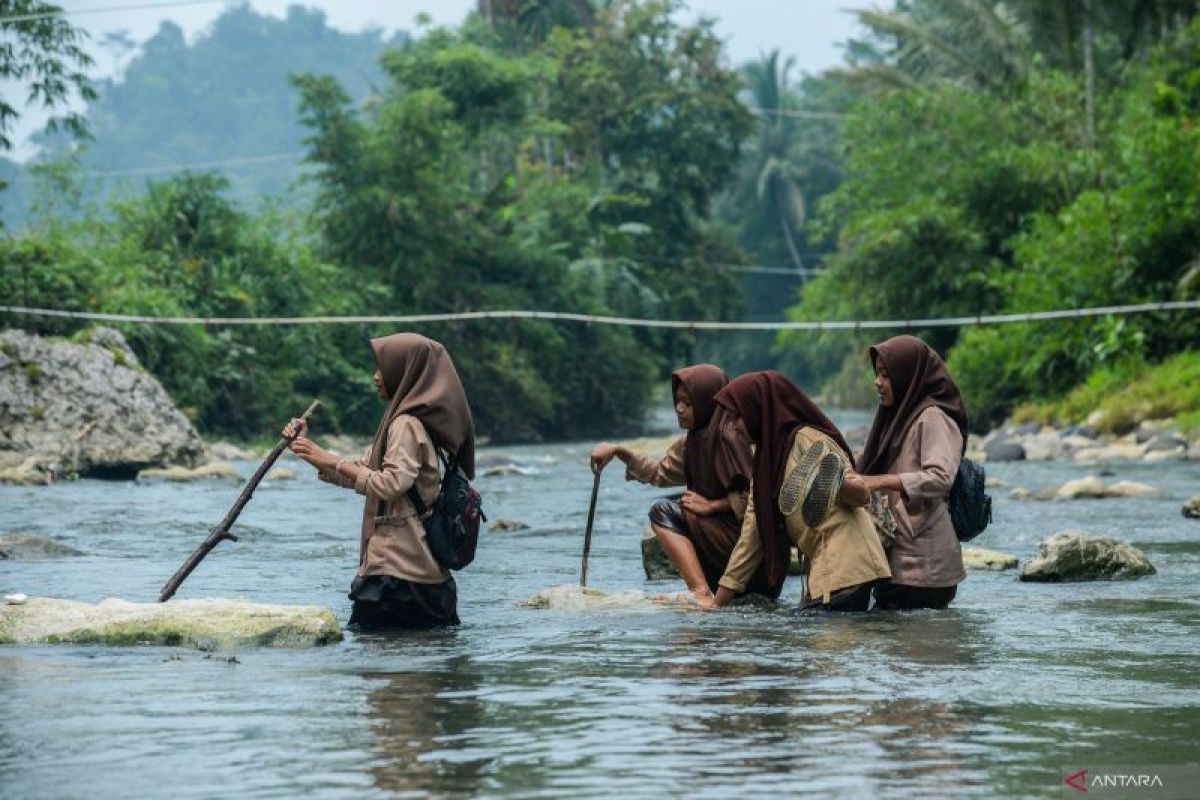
(898, 597)
(382, 602)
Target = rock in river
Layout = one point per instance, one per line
(21, 546)
(1191, 509)
(85, 406)
(1079, 556)
(980, 558)
(214, 470)
(504, 524)
(204, 624)
(1093, 487)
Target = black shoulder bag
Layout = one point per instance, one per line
(452, 529)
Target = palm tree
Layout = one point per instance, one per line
(774, 179)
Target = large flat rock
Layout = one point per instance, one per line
(204, 624)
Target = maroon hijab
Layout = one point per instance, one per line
(715, 461)
(919, 380)
(773, 408)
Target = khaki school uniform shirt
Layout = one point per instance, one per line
(926, 551)
(668, 471)
(398, 546)
(842, 551)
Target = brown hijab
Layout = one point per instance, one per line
(422, 382)
(773, 408)
(919, 380)
(714, 462)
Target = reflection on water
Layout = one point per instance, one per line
(992, 697)
(423, 726)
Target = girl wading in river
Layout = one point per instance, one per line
(913, 450)
(840, 544)
(399, 583)
(714, 461)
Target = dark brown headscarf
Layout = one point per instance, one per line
(422, 381)
(919, 380)
(773, 408)
(715, 463)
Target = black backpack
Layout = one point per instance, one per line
(970, 505)
(452, 530)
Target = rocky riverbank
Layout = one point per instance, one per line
(1152, 441)
(85, 407)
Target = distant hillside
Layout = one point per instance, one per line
(224, 97)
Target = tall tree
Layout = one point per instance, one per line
(42, 53)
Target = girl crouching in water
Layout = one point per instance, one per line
(913, 450)
(399, 582)
(714, 461)
(844, 555)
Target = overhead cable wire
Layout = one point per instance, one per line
(62, 12)
(632, 322)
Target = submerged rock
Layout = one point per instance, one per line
(580, 598)
(205, 624)
(214, 470)
(1191, 509)
(654, 559)
(227, 451)
(1079, 556)
(503, 524)
(505, 470)
(981, 558)
(1004, 450)
(85, 406)
(1093, 487)
(31, 546)
(280, 474)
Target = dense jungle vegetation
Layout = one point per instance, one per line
(971, 156)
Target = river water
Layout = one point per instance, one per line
(998, 696)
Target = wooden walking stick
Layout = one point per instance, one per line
(221, 532)
(587, 536)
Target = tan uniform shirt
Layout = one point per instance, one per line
(398, 546)
(668, 471)
(926, 551)
(842, 551)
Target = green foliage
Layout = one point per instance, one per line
(43, 55)
(577, 176)
(1129, 392)
(962, 202)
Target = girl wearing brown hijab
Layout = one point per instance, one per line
(399, 583)
(912, 453)
(699, 529)
(844, 555)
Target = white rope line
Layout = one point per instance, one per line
(633, 322)
(61, 12)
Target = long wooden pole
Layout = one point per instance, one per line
(221, 532)
(587, 536)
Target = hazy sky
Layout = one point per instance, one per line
(808, 30)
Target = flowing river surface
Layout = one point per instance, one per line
(998, 696)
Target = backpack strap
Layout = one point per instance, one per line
(415, 497)
(448, 463)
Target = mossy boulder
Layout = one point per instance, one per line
(204, 624)
(1077, 556)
